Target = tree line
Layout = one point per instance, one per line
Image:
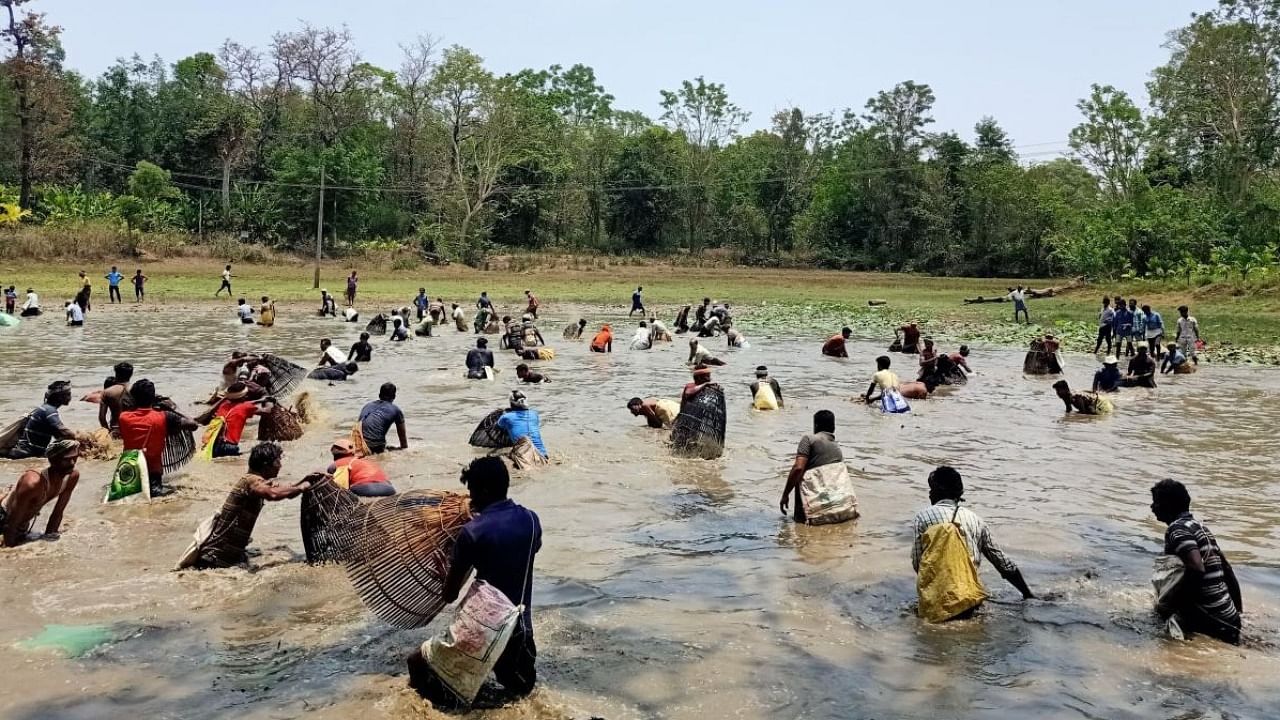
(444, 154)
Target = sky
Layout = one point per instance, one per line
(1024, 62)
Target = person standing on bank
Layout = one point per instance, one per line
(113, 285)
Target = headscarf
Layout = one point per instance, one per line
(237, 391)
(518, 401)
(60, 447)
(56, 387)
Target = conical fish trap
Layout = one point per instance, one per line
(285, 376)
(698, 431)
(179, 448)
(331, 522)
(377, 326)
(402, 552)
(285, 423)
(488, 435)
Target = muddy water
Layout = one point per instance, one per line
(666, 588)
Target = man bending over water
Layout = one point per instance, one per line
(228, 541)
(21, 505)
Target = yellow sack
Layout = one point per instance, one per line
(357, 439)
(765, 399)
(342, 477)
(210, 438)
(948, 582)
(546, 353)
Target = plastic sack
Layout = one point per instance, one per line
(1166, 575)
(765, 398)
(891, 401)
(130, 478)
(948, 582)
(827, 495)
(210, 438)
(464, 655)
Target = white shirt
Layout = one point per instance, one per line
(74, 313)
(32, 301)
(350, 313)
(1188, 328)
(1018, 296)
(334, 354)
(245, 311)
(226, 275)
(457, 313)
(701, 354)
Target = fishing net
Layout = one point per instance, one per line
(377, 326)
(571, 332)
(331, 520)
(400, 559)
(698, 431)
(285, 376)
(285, 423)
(488, 435)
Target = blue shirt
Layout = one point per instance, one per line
(521, 424)
(500, 543)
(1123, 320)
(635, 298)
(1108, 378)
(114, 277)
(376, 419)
(422, 301)
(1154, 321)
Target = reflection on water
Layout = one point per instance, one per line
(667, 588)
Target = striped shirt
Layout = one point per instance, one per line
(1186, 534)
(974, 530)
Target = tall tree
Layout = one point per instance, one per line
(34, 56)
(1112, 139)
(704, 115)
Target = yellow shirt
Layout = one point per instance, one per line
(885, 380)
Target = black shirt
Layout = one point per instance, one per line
(500, 543)
(362, 351)
(332, 372)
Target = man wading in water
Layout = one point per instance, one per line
(232, 528)
(946, 492)
(1207, 598)
(499, 544)
(21, 505)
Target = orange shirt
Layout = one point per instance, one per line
(360, 471)
(602, 339)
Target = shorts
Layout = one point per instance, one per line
(1019, 305)
(373, 489)
(246, 321)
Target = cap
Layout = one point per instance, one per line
(1109, 360)
(343, 445)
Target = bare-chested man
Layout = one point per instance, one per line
(21, 504)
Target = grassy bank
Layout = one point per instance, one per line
(1240, 327)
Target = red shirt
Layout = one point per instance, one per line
(602, 340)
(360, 471)
(145, 430)
(835, 346)
(235, 415)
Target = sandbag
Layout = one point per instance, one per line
(1166, 575)
(210, 438)
(130, 478)
(465, 654)
(698, 431)
(524, 454)
(891, 401)
(546, 353)
(827, 494)
(947, 582)
(765, 398)
(12, 433)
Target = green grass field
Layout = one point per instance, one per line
(1238, 327)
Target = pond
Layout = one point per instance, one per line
(665, 588)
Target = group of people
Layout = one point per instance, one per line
(1130, 327)
(499, 544)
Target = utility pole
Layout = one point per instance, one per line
(319, 229)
